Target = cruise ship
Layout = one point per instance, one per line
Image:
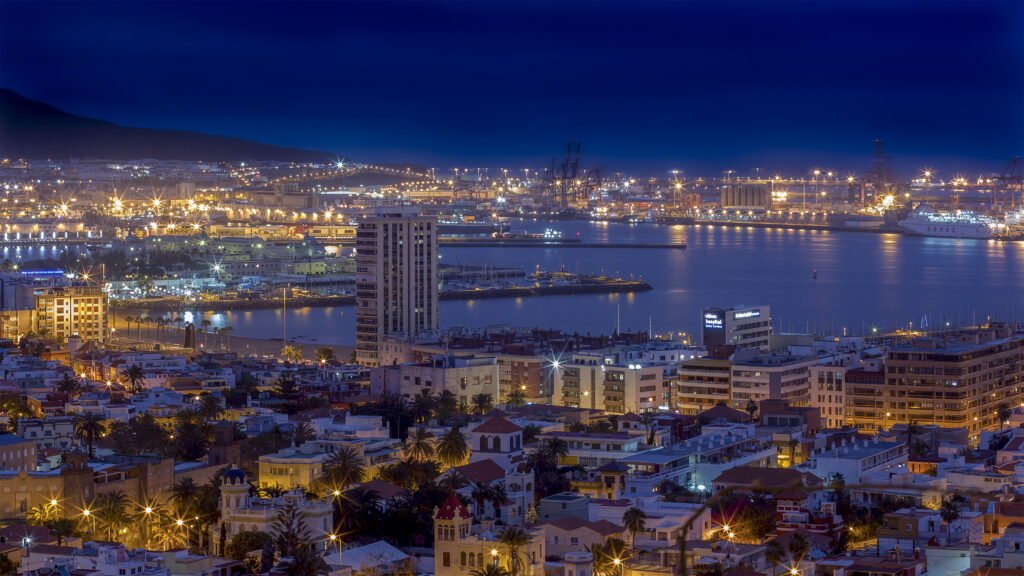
(925, 221)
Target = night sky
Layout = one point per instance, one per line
(701, 87)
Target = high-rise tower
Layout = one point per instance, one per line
(396, 279)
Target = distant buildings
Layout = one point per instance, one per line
(396, 279)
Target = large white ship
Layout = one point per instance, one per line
(925, 221)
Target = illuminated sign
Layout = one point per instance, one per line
(713, 320)
(42, 272)
(747, 314)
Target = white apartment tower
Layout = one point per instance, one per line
(396, 279)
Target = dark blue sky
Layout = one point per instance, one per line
(696, 86)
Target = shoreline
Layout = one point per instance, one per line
(608, 286)
(209, 342)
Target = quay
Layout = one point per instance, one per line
(588, 285)
(488, 243)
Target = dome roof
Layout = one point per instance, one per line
(234, 476)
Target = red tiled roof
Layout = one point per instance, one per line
(1014, 444)
(791, 495)
(385, 490)
(767, 477)
(450, 507)
(482, 472)
(725, 413)
(498, 426)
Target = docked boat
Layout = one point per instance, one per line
(925, 221)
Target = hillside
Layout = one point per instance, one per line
(31, 129)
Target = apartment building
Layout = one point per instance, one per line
(703, 383)
(58, 432)
(65, 311)
(827, 393)
(959, 380)
(396, 279)
(598, 381)
(464, 377)
(770, 377)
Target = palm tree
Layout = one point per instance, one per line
(950, 513)
(110, 513)
(133, 377)
(324, 354)
(547, 456)
(205, 323)
(88, 427)
(453, 481)
(420, 446)
(8, 567)
(482, 403)
(128, 320)
(634, 521)
(605, 554)
(774, 553)
(210, 407)
(489, 570)
(423, 405)
(287, 387)
(514, 539)
(138, 325)
(798, 547)
(516, 398)
(184, 492)
(291, 353)
(1004, 413)
(303, 433)
(68, 385)
(452, 448)
(481, 493)
(751, 408)
(647, 419)
(447, 404)
(345, 467)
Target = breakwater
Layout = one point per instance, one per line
(590, 285)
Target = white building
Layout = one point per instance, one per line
(464, 377)
(857, 459)
(603, 381)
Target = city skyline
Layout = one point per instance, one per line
(698, 87)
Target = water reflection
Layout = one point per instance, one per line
(864, 280)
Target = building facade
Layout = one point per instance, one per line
(740, 326)
(396, 279)
(960, 380)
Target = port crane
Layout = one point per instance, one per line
(1012, 180)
